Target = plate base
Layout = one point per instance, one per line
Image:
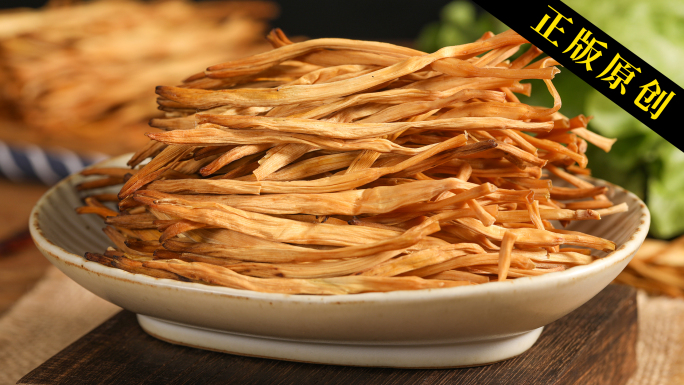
(471, 353)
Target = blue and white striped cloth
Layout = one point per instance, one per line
(33, 163)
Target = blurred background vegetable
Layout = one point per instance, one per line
(641, 160)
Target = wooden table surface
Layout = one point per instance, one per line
(595, 344)
(21, 270)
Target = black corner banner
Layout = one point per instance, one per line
(598, 59)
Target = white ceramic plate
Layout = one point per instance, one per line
(434, 328)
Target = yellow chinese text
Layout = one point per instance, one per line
(619, 73)
(552, 26)
(647, 94)
(585, 50)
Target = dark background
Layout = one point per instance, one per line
(355, 19)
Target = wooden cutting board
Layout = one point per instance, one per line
(595, 344)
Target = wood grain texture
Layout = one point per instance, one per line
(593, 345)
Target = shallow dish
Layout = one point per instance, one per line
(460, 326)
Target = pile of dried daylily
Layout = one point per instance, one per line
(658, 268)
(335, 166)
(85, 71)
